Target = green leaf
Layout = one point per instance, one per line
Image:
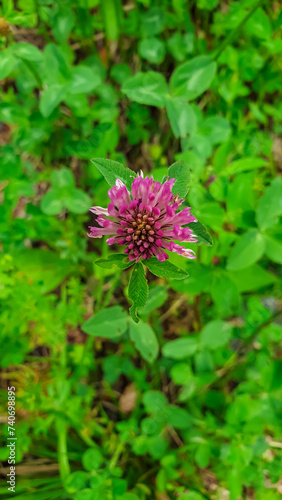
(270, 205)
(62, 177)
(252, 278)
(224, 293)
(273, 248)
(244, 165)
(180, 348)
(202, 455)
(76, 481)
(211, 214)
(202, 234)
(27, 51)
(181, 116)
(180, 171)
(157, 296)
(63, 22)
(247, 250)
(137, 290)
(56, 68)
(109, 323)
(118, 259)
(155, 402)
(50, 99)
(51, 203)
(84, 494)
(153, 21)
(178, 417)
(152, 49)
(192, 78)
(77, 202)
(145, 340)
(216, 128)
(44, 268)
(165, 269)
(215, 334)
(146, 88)
(92, 459)
(83, 80)
(7, 63)
(113, 170)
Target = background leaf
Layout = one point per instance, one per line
(270, 205)
(180, 348)
(181, 116)
(146, 88)
(247, 250)
(215, 334)
(193, 77)
(109, 323)
(145, 340)
(51, 97)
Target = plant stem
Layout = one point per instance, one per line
(62, 449)
(234, 33)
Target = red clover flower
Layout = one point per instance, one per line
(146, 220)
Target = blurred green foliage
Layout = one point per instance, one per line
(186, 403)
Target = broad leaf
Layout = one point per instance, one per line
(27, 51)
(146, 88)
(165, 269)
(252, 278)
(193, 77)
(216, 128)
(180, 171)
(51, 203)
(211, 214)
(77, 201)
(157, 296)
(137, 290)
(243, 165)
(7, 63)
(108, 323)
(178, 417)
(83, 80)
(180, 348)
(50, 99)
(270, 205)
(181, 116)
(44, 269)
(152, 49)
(248, 249)
(62, 177)
(113, 170)
(273, 248)
(145, 340)
(215, 334)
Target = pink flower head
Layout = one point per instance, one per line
(145, 221)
